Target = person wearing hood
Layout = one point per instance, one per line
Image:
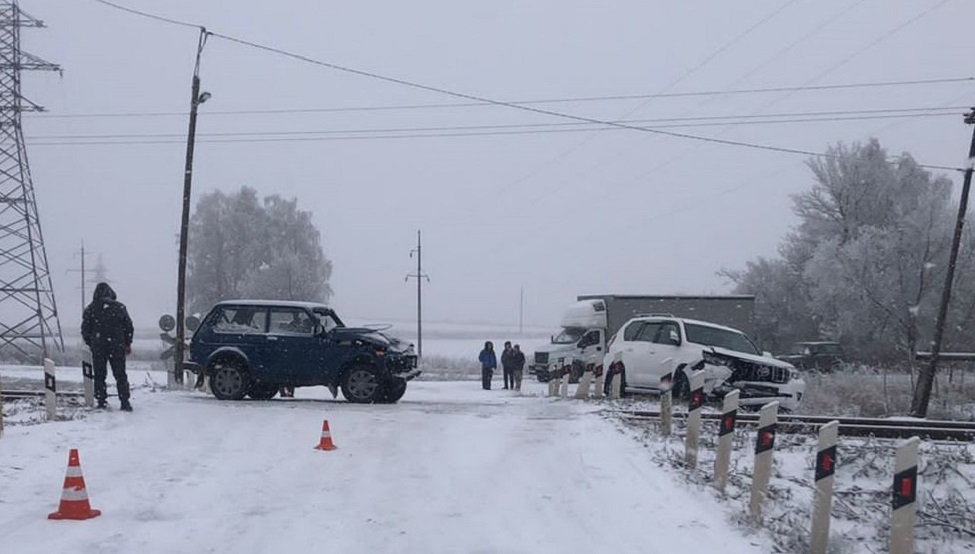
(107, 330)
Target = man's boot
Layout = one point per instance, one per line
(126, 407)
(102, 405)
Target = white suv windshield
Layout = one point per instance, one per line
(722, 338)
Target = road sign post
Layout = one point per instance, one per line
(762, 472)
(726, 435)
(825, 467)
(903, 501)
(694, 405)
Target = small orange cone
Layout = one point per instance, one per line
(326, 441)
(74, 497)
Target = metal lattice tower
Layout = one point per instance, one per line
(29, 322)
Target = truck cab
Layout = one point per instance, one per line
(580, 341)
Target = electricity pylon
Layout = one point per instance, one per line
(29, 322)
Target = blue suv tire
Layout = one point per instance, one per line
(229, 380)
(363, 384)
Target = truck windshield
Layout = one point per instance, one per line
(722, 338)
(570, 335)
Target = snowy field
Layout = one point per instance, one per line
(451, 468)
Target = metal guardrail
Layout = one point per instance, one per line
(849, 426)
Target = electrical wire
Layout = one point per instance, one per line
(395, 107)
(666, 123)
(481, 99)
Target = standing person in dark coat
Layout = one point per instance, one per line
(107, 329)
(506, 364)
(517, 367)
(489, 362)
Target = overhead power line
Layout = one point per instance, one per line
(701, 121)
(396, 107)
(482, 99)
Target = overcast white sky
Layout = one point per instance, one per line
(559, 214)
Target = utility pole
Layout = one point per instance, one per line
(922, 395)
(84, 278)
(420, 276)
(196, 99)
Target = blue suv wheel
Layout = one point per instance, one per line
(363, 384)
(229, 380)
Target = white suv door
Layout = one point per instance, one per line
(665, 351)
(635, 348)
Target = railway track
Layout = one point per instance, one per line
(21, 394)
(849, 426)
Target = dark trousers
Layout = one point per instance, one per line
(509, 380)
(100, 359)
(486, 375)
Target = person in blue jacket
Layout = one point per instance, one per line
(489, 362)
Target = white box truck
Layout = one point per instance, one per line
(592, 320)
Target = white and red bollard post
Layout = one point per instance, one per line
(88, 376)
(823, 501)
(694, 405)
(903, 502)
(762, 472)
(51, 390)
(582, 391)
(616, 377)
(564, 378)
(555, 369)
(726, 435)
(599, 381)
(666, 404)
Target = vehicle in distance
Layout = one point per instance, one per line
(659, 352)
(255, 347)
(819, 356)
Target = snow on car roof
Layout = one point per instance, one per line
(284, 303)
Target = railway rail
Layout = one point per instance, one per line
(849, 426)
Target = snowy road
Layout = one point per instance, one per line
(449, 469)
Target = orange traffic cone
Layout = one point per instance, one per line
(326, 441)
(74, 497)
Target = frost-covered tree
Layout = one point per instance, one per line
(241, 246)
(865, 263)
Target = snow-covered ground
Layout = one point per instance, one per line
(451, 468)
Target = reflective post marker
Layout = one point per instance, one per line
(825, 467)
(764, 443)
(598, 386)
(904, 508)
(555, 369)
(582, 391)
(666, 413)
(51, 386)
(694, 405)
(726, 435)
(88, 376)
(616, 376)
(564, 378)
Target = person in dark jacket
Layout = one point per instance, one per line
(107, 329)
(489, 362)
(506, 364)
(517, 366)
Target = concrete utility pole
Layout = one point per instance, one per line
(196, 99)
(922, 395)
(420, 276)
